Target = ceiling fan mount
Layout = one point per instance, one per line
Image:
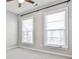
(21, 1)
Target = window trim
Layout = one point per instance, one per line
(66, 28)
(26, 18)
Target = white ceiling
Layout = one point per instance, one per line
(12, 6)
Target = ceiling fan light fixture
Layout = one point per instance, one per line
(21, 1)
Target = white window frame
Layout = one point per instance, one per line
(27, 18)
(66, 27)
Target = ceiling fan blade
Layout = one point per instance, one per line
(30, 1)
(8, 0)
(19, 5)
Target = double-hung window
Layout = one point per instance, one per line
(55, 29)
(27, 30)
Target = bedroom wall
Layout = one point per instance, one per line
(11, 29)
(38, 28)
(20, 53)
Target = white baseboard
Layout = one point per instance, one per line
(48, 52)
(11, 47)
(38, 50)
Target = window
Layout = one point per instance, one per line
(55, 29)
(27, 31)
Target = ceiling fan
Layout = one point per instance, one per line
(21, 1)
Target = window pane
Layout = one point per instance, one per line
(27, 25)
(55, 28)
(53, 33)
(55, 25)
(55, 17)
(55, 21)
(27, 31)
(55, 37)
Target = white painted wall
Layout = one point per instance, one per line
(38, 28)
(11, 29)
(20, 53)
